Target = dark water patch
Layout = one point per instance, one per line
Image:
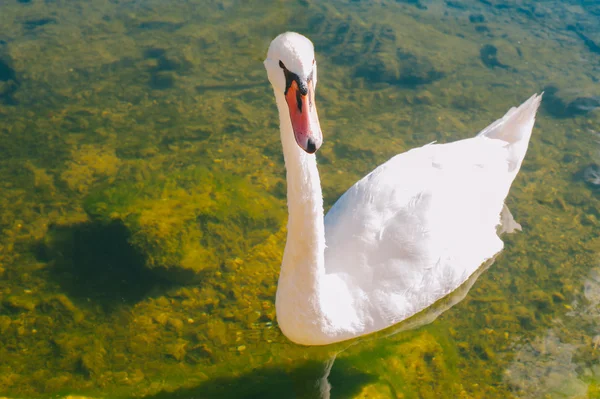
(589, 43)
(93, 261)
(529, 11)
(154, 52)
(160, 25)
(416, 3)
(560, 107)
(317, 23)
(489, 56)
(372, 53)
(9, 83)
(6, 72)
(482, 29)
(341, 32)
(278, 190)
(162, 80)
(480, 352)
(457, 5)
(112, 67)
(305, 380)
(525, 11)
(476, 18)
(230, 87)
(583, 105)
(348, 41)
(164, 74)
(387, 33)
(416, 71)
(172, 63)
(405, 69)
(32, 24)
(24, 1)
(497, 4)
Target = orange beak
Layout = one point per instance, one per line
(303, 114)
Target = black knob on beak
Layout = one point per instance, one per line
(311, 147)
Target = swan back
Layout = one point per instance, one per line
(418, 226)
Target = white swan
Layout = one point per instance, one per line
(404, 236)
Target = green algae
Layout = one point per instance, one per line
(159, 119)
(192, 220)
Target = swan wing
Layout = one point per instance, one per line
(418, 226)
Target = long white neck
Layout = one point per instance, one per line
(303, 258)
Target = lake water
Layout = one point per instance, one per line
(142, 195)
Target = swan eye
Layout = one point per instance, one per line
(281, 65)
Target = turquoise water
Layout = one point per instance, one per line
(142, 206)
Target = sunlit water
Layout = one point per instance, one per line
(142, 200)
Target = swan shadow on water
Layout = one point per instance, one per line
(94, 262)
(320, 380)
(308, 380)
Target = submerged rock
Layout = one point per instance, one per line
(400, 68)
(456, 5)
(165, 67)
(591, 176)
(416, 3)
(6, 71)
(592, 45)
(482, 29)
(489, 57)
(373, 52)
(561, 104)
(8, 81)
(476, 18)
(189, 222)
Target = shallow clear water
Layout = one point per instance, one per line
(142, 202)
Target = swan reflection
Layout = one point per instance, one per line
(564, 359)
(324, 387)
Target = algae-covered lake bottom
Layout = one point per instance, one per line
(143, 211)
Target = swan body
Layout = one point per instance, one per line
(404, 236)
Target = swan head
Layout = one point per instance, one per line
(292, 71)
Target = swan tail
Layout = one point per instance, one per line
(515, 128)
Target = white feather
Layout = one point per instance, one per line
(403, 237)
